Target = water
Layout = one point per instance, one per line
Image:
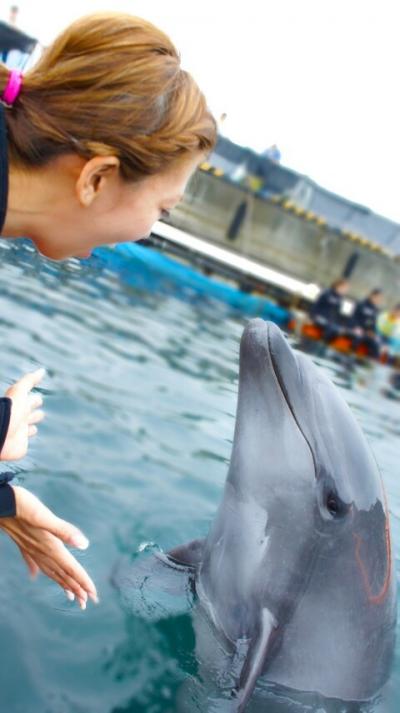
(140, 400)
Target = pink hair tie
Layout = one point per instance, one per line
(13, 87)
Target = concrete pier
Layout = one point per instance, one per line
(284, 237)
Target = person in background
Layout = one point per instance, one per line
(221, 122)
(273, 153)
(364, 322)
(326, 310)
(97, 142)
(14, 11)
(388, 325)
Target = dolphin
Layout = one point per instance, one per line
(295, 580)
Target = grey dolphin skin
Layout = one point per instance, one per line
(295, 578)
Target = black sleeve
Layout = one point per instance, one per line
(355, 317)
(365, 316)
(7, 501)
(7, 497)
(359, 315)
(5, 413)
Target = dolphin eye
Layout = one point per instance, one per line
(334, 505)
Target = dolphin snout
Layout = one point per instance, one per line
(264, 342)
(255, 334)
(260, 334)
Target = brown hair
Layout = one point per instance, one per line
(110, 84)
(339, 282)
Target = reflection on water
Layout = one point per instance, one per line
(140, 400)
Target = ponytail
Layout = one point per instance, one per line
(110, 84)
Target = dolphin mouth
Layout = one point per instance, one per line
(265, 337)
(280, 351)
(261, 336)
(267, 334)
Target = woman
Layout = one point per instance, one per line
(97, 142)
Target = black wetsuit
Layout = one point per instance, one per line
(364, 318)
(7, 498)
(325, 313)
(365, 315)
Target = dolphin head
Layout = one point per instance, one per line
(301, 538)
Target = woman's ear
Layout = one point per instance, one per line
(94, 177)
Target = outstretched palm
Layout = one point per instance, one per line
(41, 537)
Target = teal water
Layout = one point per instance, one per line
(140, 397)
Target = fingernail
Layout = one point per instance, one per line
(83, 604)
(81, 542)
(94, 598)
(42, 371)
(70, 595)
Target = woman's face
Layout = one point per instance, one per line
(117, 212)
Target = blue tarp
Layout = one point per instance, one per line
(149, 269)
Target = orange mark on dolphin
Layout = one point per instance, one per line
(376, 598)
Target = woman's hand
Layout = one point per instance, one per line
(40, 535)
(25, 414)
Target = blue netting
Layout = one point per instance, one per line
(148, 269)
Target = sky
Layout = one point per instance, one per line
(320, 78)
